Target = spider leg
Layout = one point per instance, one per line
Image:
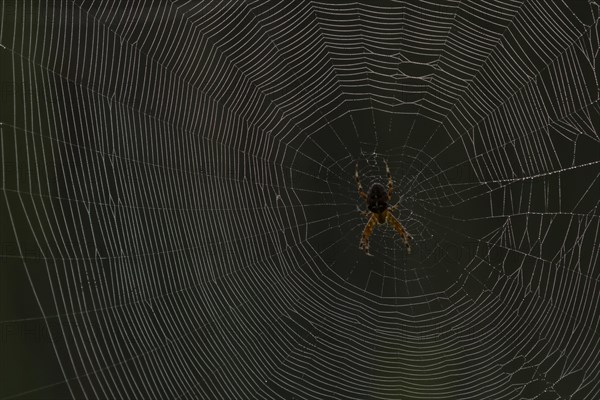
(400, 229)
(361, 193)
(364, 240)
(395, 206)
(390, 184)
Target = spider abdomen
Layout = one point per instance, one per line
(377, 198)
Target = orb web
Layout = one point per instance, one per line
(178, 179)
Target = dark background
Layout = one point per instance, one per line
(179, 217)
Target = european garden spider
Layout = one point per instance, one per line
(378, 211)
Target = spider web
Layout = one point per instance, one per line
(180, 218)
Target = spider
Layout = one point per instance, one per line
(378, 210)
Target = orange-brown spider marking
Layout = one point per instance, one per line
(401, 231)
(364, 241)
(378, 211)
(361, 193)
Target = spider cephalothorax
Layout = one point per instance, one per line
(377, 199)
